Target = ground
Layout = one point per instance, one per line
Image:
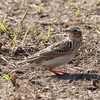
(34, 83)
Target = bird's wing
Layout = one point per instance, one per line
(64, 47)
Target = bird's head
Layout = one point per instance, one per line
(74, 34)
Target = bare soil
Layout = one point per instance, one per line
(38, 84)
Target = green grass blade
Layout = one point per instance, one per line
(15, 39)
(6, 76)
(48, 32)
(34, 31)
(4, 29)
(38, 10)
(43, 36)
(98, 29)
(40, 3)
(78, 12)
(25, 35)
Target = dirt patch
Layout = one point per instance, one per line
(33, 83)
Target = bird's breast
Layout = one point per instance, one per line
(57, 61)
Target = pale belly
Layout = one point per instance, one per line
(57, 61)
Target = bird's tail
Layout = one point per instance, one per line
(20, 65)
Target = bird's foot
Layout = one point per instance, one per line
(60, 73)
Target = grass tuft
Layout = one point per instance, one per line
(38, 9)
(46, 37)
(5, 30)
(98, 29)
(98, 2)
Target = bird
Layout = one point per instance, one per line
(58, 53)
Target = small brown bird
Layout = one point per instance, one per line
(58, 53)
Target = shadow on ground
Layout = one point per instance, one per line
(78, 77)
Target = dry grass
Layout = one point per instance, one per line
(33, 83)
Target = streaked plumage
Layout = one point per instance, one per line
(58, 53)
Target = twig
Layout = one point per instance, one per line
(52, 94)
(4, 58)
(98, 32)
(24, 15)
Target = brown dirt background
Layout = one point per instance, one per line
(33, 83)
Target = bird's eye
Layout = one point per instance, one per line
(76, 30)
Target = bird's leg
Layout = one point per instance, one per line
(56, 72)
(60, 72)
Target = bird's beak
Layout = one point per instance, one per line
(68, 31)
